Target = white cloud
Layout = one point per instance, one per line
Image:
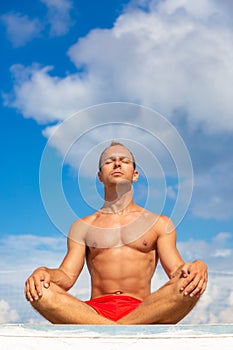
(199, 9)
(20, 28)
(155, 58)
(58, 16)
(50, 98)
(30, 251)
(7, 315)
(171, 192)
(217, 247)
(231, 299)
(222, 253)
(175, 57)
(213, 191)
(166, 60)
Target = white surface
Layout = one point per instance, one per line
(211, 337)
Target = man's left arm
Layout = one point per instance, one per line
(194, 274)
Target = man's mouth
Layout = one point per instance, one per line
(117, 173)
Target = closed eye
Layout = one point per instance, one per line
(124, 160)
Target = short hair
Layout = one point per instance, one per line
(115, 143)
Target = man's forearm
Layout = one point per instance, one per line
(60, 278)
(177, 270)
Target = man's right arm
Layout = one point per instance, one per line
(64, 276)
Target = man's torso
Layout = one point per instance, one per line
(121, 253)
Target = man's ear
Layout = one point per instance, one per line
(99, 176)
(135, 176)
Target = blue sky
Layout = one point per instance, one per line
(60, 57)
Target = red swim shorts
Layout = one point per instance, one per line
(114, 307)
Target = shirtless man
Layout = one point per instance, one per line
(122, 243)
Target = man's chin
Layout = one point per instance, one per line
(120, 180)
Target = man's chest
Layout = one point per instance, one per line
(138, 238)
(109, 231)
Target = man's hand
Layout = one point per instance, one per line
(195, 278)
(33, 285)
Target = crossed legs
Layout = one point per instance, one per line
(60, 307)
(165, 306)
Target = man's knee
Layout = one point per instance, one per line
(187, 301)
(176, 285)
(49, 296)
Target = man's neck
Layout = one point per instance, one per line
(115, 203)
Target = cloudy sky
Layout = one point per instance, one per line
(155, 74)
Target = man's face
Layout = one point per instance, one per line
(117, 165)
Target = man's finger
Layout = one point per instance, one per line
(32, 291)
(185, 270)
(46, 280)
(187, 280)
(27, 292)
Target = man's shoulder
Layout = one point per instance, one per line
(165, 225)
(81, 227)
(157, 217)
(86, 219)
(161, 223)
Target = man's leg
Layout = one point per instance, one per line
(59, 307)
(165, 306)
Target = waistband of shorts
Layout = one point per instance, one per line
(115, 297)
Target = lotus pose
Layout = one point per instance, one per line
(122, 243)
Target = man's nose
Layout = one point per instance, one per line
(117, 163)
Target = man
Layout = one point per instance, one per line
(122, 243)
